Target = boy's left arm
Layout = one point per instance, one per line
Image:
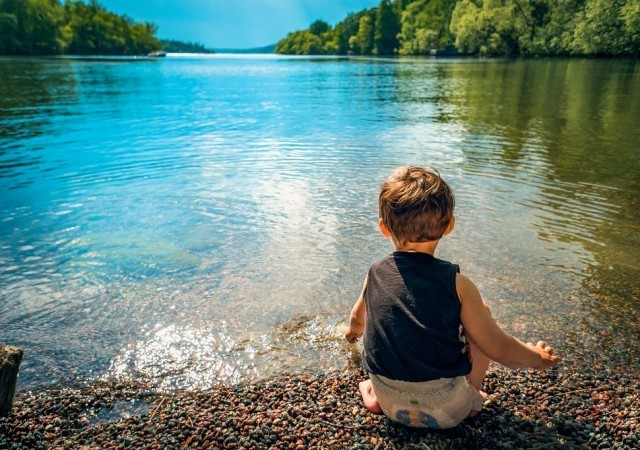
(357, 319)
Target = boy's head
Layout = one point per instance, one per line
(415, 205)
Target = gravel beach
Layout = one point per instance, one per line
(564, 408)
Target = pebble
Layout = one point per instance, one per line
(580, 408)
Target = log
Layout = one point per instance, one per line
(10, 359)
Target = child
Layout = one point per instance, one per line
(428, 336)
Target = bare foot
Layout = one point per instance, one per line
(369, 397)
(473, 412)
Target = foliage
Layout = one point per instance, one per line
(301, 43)
(347, 29)
(547, 27)
(362, 42)
(425, 26)
(488, 27)
(46, 27)
(319, 27)
(314, 41)
(173, 46)
(608, 27)
(30, 27)
(492, 27)
(386, 29)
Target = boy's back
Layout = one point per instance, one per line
(413, 328)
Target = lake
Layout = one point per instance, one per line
(191, 221)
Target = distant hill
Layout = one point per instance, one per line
(173, 46)
(266, 49)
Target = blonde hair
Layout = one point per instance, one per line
(416, 204)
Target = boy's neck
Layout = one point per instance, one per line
(420, 247)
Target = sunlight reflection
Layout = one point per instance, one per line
(186, 358)
(174, 358)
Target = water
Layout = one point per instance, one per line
(194, 221)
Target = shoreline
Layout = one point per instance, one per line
(565, 408)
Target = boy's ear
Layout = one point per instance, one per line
(452, 223)
(383, 228)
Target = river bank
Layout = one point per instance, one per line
(570, 407)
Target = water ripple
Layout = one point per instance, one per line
(212, 218)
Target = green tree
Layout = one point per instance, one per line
(345, 30)
(552, 32)
(387, 26)
(401, 5)
(630, 15)
(91, 29)
(607, 27)
(31, 27)
(174, 46)
(319, 27)
(362, 42)
(317, 40)
(45, 27)
(546, 27)
(425, 26)
(491, 27)
(303, 42)
(9, 43)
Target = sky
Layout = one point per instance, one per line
(234, 23)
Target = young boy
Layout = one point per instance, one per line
(428, 336)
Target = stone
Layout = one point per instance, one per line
(10, 359)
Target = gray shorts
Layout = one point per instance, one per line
(442, 403)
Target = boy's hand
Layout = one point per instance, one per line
(352, 336)
(547, 358)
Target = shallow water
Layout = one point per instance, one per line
(193, 221)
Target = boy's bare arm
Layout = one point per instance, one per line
(356, 319)
(481, 327)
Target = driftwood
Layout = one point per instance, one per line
(10, 358)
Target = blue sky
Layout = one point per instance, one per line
(234, 23)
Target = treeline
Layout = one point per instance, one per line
(173, 46)
(485, 27)
(50, 27)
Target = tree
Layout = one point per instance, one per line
(91, 29)
(552, 33)
(425, 26)
(346, 30)
(362, 42)
(386, 29)
(175, 46)
(319, 27)
(32, 27)
(630, 15)
(9, 32)
(491, 28)
(607, 27)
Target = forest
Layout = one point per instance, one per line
(478, 27)
(174, 46)
(51, 27)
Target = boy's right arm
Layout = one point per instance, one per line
(503, 348)
(356, 319)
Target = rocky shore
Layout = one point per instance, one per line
(566, 408)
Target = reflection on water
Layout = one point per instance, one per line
(186, 358)
(195, 221)
(569, 128)
(35, 93)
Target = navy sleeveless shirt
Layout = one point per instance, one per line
(413, 329)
